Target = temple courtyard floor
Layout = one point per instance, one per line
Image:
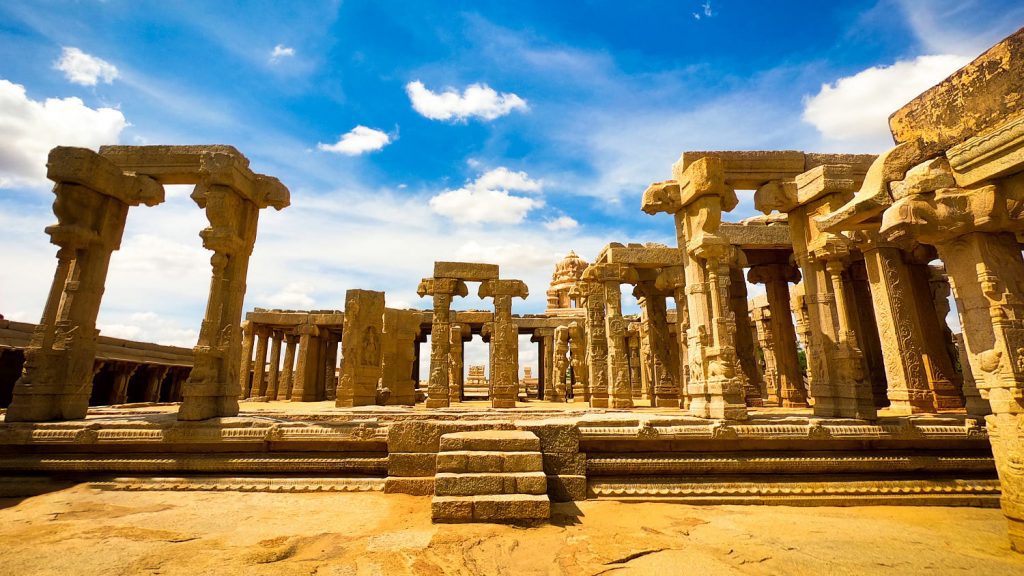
(81, 530)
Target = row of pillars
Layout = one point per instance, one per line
(308, 372)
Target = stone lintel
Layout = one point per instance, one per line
(824, 180)
(997, 152)
(87, 168)
(748, 170)
(757, 236)
(858, 163)
(210, 165)
(981, 95)
(469, 271)
(640, 256)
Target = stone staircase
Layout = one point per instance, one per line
(490, 476)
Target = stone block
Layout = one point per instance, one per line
(425, 436)
(491, 441)
(511, 507)
(471, 271)
(414, 486)
(489, 462)
(412, 464)
(566, 488)
(573, 463)
(555, 437)
(448, 484)
(451, 509)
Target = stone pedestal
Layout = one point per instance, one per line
(361, 352)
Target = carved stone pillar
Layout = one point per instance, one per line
(457, 372)
(92, 200)
(634, 341)
(762, 317)
(868, 335)
(665, 370)
(504, 341)
(284, 387)
(259, 374)
(578, 354)
(442, 290)
(611, 277)
(780, 342)
(307, 365)
(672, 280)
(546, 338)
(744, 338)
(154, 377)
(331, 377)
(245, 369)
(400, 341)
(123, 372)
(361, 348)
(592, 294)
(560, 362)
(798, 306)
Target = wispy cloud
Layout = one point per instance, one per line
(85, 69)
(476, 101)
(359, 140)
(705, 11)
(281, 51)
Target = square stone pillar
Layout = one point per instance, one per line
(779, 342)
(123, 372)
(91, 205)
(867, 333)
(504, 383)
(672, 280)
(307, 366)
(744, 338)
(578, 358)
(400, 341)
(592, 295)
(331, 377)
(154, 377)
(560, 363)
(442, 290)
(761, 314)
(664, 366)
(361, 348)
(284, 387)
(545, 337)
(635, 342)
(611, 277)
(456, 377)
(259, 374)
(245, 369)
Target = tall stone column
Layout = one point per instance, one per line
(634, 340)
(654, 315)
(560, 363)
(245, 369)
(259, 374)
(92, 200)
(852, 391)
(578, 355)
(284, 388)
(781, 337)
(592, 294)
(456, 377)
(546, 338)
(743, 337)
(154, 377)
(504, 340)
(611, 277)
(123, 373)
(798, 307)
(868, 335)
(361, 348)
(672, 280)
(331, 377)
(307, 365)
(442, 290)
(762, 317)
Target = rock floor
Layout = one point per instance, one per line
(86, 531)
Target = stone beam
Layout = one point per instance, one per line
(466, 271)
(640, 256)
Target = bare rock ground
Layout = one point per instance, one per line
(85, 531)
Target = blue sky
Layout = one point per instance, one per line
(489, 131)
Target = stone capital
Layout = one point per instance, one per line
(87, 168)
(437, 286)
(514, 288)
(608, 273)
(671, 279)
(765, 273)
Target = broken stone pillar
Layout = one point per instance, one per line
(697, 198)
(781, 338)
(245, 369)
(284, 388)
(504, 383)
(361, 348)
(401, 331)
(592, 294)
(611, 277)
(578, 355)
(91, 205)
(442, 290)
(663, 366)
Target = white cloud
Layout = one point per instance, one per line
(29, 129)
(855, 109)
(293, 296)
(705, 11)
(476, 101)
(281, 51)
(151, 327)
(561, 223)
(81, 68)
(487, 199)
(358, 141)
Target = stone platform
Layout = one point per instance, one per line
(777, 456)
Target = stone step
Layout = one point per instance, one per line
(491, 508)
(491, 441)
(478, 461)
(475, 484)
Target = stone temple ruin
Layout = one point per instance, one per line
(842, 384)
